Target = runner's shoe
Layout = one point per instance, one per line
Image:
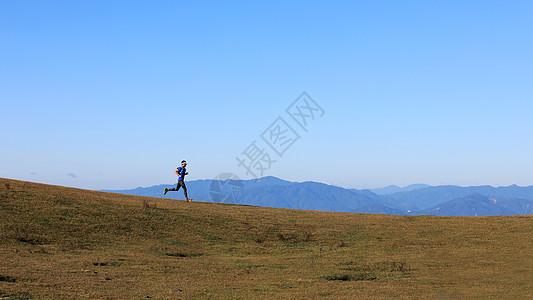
(165, 192)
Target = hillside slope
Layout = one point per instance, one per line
(58, 242)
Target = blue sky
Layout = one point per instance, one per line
(113, 94)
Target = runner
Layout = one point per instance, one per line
(181, 172)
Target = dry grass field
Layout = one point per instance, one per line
(64, 243)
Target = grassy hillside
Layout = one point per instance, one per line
(58, 242)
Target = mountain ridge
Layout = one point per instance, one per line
(415, 199)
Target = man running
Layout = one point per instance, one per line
(181, 172)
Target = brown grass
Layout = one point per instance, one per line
(58, 242)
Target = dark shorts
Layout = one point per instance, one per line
(181, 183)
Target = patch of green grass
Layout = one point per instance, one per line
(362, 276)
(249, 266)
(7, 278)
(174, 242)
(392, 266)
(151, 213)
(430, 232)
(295, 238)
(181, 254)
(63, 201)
(214, 238)
(379, 270)
(44, 222)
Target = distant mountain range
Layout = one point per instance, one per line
(471, 205)
(418, 199)
(392, 189)
(424, 198)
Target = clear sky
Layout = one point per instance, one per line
(113, 94)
